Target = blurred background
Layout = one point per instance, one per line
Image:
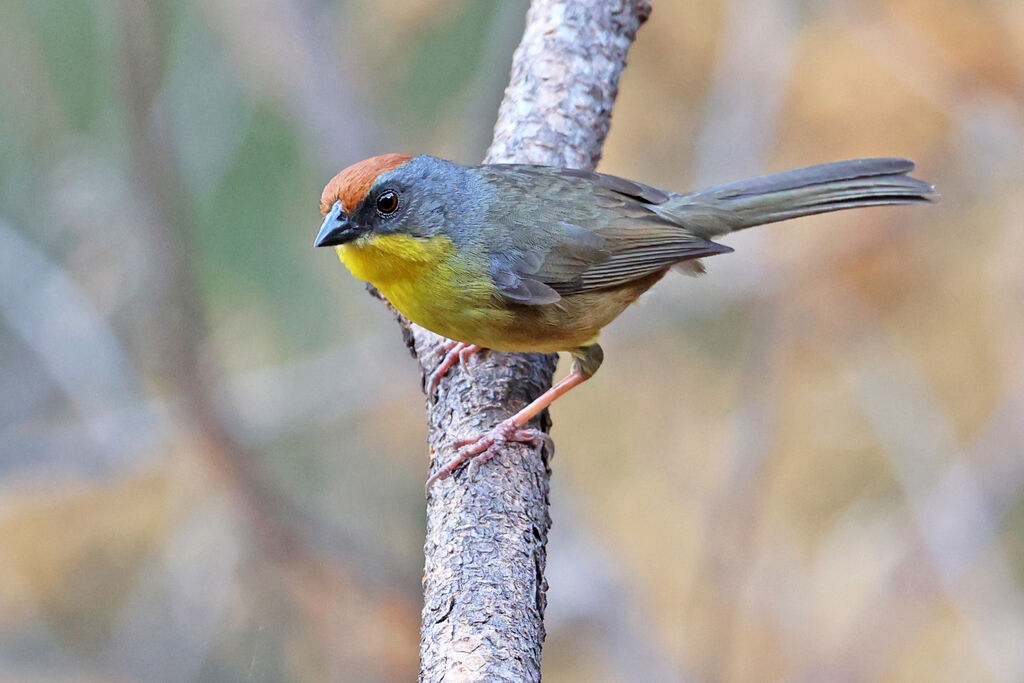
(806, 465)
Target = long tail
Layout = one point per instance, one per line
(801, 192)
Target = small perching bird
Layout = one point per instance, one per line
(538, 259)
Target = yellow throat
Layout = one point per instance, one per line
(424, 280)
(387, 260)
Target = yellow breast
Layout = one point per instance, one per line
(424, 280)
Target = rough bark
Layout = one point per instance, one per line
(483, 584)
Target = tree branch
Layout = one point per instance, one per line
(483, 584)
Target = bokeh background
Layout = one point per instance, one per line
(806, 465)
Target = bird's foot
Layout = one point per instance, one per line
(479, 449)
(454, 352)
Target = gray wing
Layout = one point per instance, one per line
(585, 232)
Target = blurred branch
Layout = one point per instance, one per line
(951, 511)
(484, 586)
(178, 319)
(747, 90)
(281, 48)
(596, 593)
(175, 307)
(904, 602)
(744, 103)
(46, 308)
(954, 507)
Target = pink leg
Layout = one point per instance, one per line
(454, 352)
(481, 448)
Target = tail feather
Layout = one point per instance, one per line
(801, 192)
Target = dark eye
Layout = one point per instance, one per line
(387, 202)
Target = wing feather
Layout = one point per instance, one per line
(589, 231)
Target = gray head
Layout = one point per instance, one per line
(395, 193)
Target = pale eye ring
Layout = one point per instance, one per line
(387, 202)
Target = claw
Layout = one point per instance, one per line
(479, 449)
(465, 352)
(454, 352)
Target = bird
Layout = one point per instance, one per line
(527, 258)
